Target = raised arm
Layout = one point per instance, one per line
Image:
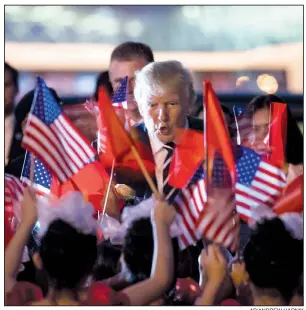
(213, 269)
(162, 272)
(13, 252)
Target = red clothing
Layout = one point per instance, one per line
(23, 293)
(98, 294)
(230, 302)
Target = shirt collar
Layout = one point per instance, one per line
(157, 145)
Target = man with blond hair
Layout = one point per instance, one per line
(165, 96)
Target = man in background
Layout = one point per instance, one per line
(126, 59)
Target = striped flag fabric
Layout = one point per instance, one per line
(259, 182)
(199, 219)
(219, 220)
(119, 98)
(204, 212)
(42, 176)
(13, 192)
(189, 203)
(53, 139)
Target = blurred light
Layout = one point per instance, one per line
(242, 80)
(85, 84)
(191, 13)
(95, 22)
(20, 29)
(133, 28)
(267, 83)
(68, 18)
(17, 13)
(106, 12)
(13, 10)
(46, 13)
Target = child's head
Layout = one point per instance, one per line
(66, 255)
(274, 260)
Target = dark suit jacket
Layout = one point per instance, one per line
(142, 189)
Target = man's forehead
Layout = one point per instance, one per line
(164, 94)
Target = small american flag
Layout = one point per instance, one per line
(42, 176)
(119, 97)
(51, 136)
(198, 219)
(189, 203)
(259, 182)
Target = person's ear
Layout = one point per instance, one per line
(37, 261)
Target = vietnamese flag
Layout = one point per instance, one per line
(278, 133)
(188, 155)
(217, 135)
(292, 198)
(92, 181)
(116, 142)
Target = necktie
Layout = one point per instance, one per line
(170, 149)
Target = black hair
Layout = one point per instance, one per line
(274, 259)
(107, 264)
(14, 72)
(128, 51)
(68, 256)
(139, 247)
(24, 105)
(188, 266)
(294, 141)
(103, 80)
(226, 111)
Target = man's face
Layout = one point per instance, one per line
(118, 70)
(10, 92)
(163, 114)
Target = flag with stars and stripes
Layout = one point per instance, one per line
(259, 182)
(52, 137)
(189, 202)
(212, 217)
(42, 176)
(119, 98)
(219, 220)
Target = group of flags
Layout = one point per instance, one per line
(205, 166)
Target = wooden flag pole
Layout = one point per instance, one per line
(108, 188)
(32, 168)
(238, 252)
(144, 171)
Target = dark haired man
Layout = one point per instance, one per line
(125, 60)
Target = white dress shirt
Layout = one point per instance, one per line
(160, 154)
